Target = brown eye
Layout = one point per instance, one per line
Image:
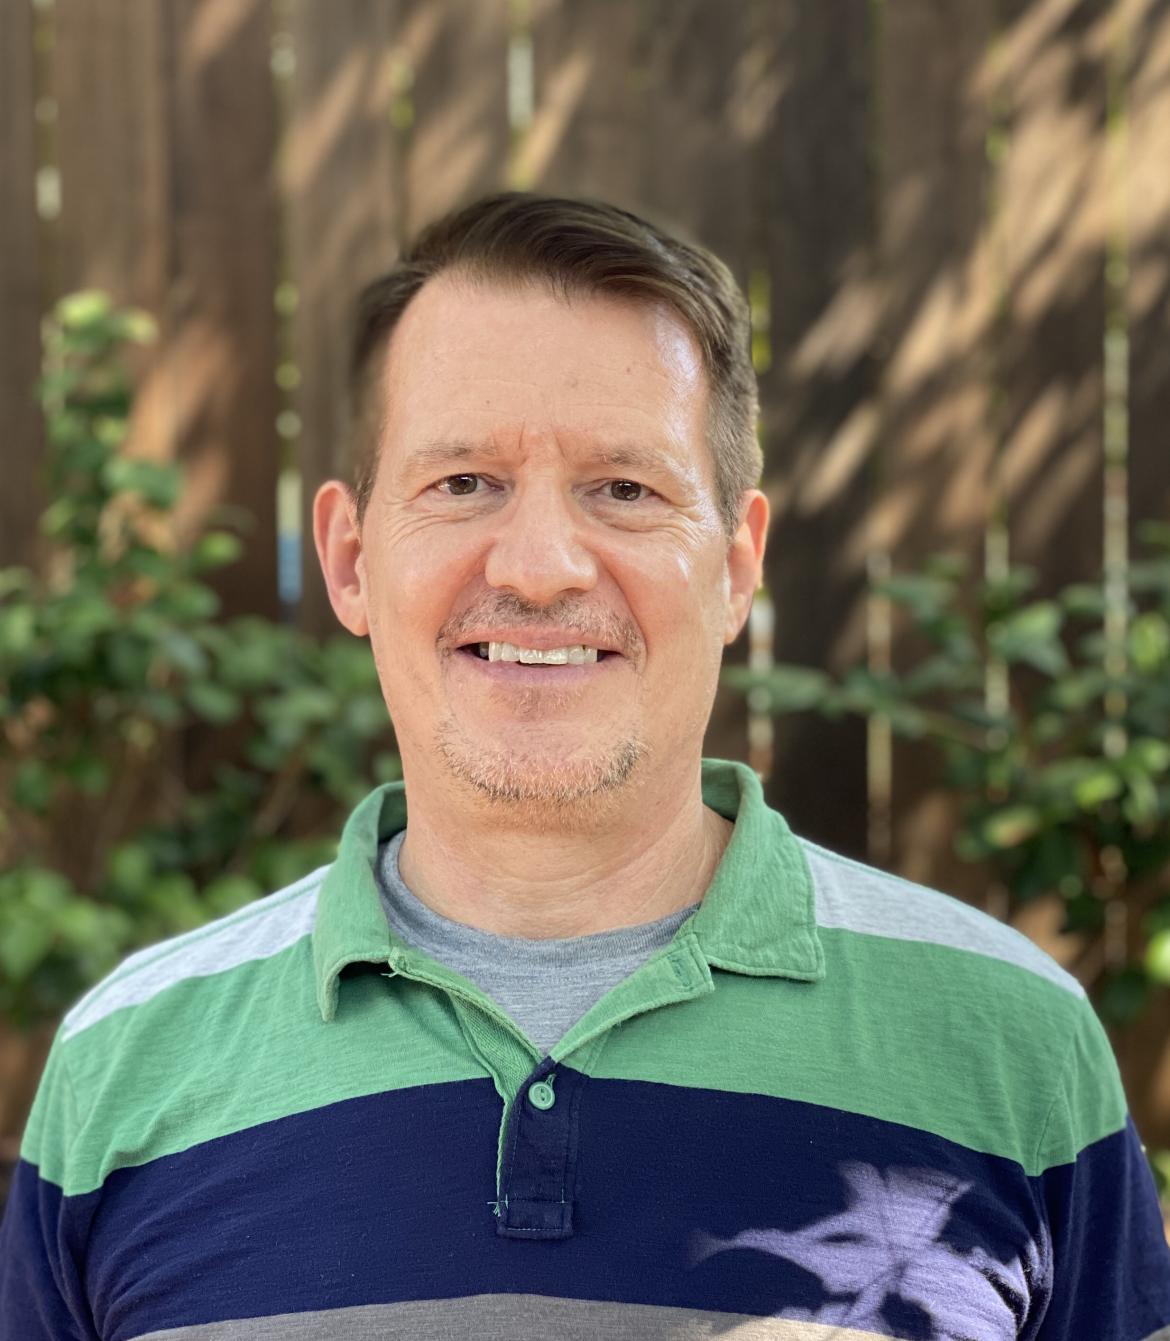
(461, 484)
(626, 490)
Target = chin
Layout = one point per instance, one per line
(539, 780)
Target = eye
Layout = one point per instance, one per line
(459, 485)
(627, 491)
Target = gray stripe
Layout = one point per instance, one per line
(257, 931)
(512, 1317)
(1162, 1334)
(854, 897)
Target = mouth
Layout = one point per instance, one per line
(552, 658)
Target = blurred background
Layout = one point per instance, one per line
(952, 220)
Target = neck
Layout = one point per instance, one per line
(489, 867)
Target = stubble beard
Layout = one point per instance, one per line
(565, 794)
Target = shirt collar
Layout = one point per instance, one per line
(757, 916)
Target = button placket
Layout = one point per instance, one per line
(536, 1186)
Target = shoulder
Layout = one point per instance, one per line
(863, 901)
(259, 931)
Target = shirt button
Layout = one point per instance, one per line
(541, 1096)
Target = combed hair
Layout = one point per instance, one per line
(576, 248)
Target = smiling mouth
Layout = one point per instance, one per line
(577, 654)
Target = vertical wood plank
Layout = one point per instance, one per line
(342, 201)
(1054, 223)
(22, 500)
(933, 114)
(222, 339)
(818, 397)
(1144, 1051)
(669, 128)
(166, 143)
(670, 131)
(458, 140)
(111, 83)
(1148, 216)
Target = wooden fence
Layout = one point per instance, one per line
(952, 218)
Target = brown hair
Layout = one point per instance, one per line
(575, 247)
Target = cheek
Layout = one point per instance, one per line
(422, 576)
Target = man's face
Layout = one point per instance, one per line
(545, 482)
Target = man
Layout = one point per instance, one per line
(575, 1038)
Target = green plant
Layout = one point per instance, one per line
(109, 660)
(1054, 740)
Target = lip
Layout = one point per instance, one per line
(539, 640)
(516, 675)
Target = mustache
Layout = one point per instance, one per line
(586, 624)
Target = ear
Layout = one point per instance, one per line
(745, 561)
(339, 551)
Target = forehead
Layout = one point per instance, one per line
(474, 360)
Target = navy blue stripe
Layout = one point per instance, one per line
(683, 1197)
(41, 1291)
(1113, 1173)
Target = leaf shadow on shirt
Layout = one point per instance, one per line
(884, 1262)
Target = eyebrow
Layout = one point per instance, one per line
(434, 455)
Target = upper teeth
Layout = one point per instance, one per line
(577, 655)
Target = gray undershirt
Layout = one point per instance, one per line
(544, 985)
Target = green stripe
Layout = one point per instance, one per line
(972, 1049)
(969, 1048)
(212, 1056)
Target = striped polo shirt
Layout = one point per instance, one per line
(836, 1104)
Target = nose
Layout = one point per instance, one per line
(538, 549)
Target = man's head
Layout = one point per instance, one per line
(576, 248)
(544, 476)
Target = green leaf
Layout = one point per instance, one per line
(790, 688)
(1101, 785)
(58, 517)
(1077, 691)
(941, 672)
(216, 550)
(387, 767)
(1083, 600)
(228, 893)
(925, 596)
(17, 630)
(213, 702)
(1154, 533)
(33, 785)
(1031, 635)
(304, 705)
(1140, 807)
(175, 897)
(1152, 756)
(83, 310)
(25, 940)
(130, 866)
(1011, 826)
(158, 483)
(1149, 641)
(183, 652)
(14, 579)
(158, 705)
(366, 715)
(30, 908)
(89, 774)
(136, 326)
(190, 602)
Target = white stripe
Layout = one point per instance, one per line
(854, 897)
(257, 931)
